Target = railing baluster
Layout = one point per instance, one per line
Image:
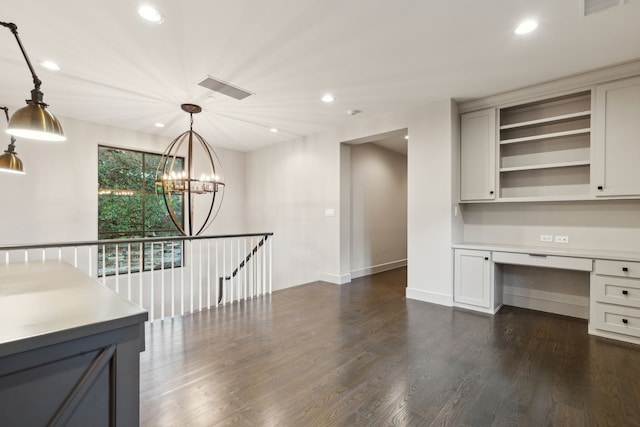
(117, 269)
(162, 280)
(200, 275)
(244, 251)
(140, 271)
(217, 276)
(208, 274)
(270, 263)
(224, 268)
(129, 271)
(152, 290)
(173, 277)
(191, 275)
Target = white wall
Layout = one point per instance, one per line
(57, 200)
(378, 209)
(599, 224)
(290, 185)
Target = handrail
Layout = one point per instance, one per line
(242, 264)
(126, 241)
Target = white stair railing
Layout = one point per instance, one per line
(168, 276)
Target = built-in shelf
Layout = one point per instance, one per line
(545, 149)
(547, 136)
(547, 120)
(546, 166)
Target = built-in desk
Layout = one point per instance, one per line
(69, 349)
(602, 286)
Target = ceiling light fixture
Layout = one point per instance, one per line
(526, 26)
(328, 98)
(150, 14)
(274, 130)
(50, 65)
(159, 125)
(9, 161)
(33, 121)
(181, 163)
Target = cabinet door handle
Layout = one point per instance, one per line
(625, 269)
(600, 187)
(625, 321)
(625, 292)
(486, 258)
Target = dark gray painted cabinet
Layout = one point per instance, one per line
(69, 349)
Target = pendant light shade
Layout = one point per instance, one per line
(10, 162)
(35, 122)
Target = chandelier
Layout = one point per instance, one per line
(188, 170)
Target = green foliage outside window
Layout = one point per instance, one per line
(128, 208)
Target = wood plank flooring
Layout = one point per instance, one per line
(363, 355)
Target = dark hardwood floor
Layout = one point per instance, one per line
(363, 355)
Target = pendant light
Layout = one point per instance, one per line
(33, 121)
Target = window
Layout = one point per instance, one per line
(128, 208)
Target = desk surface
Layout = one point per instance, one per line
(543, 250)
(45, 303)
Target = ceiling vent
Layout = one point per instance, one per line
(224, 88)
(589, 7)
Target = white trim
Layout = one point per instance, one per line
(569, 84)
(432, 297)
(378, 268)
(335, 278)
(556, 307)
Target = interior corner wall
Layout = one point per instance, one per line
(57, 200)
(430, 168)
(378, 209)
(290, 185)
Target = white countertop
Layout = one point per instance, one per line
(543, 250)
(45, 303)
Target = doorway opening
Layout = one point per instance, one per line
(373, 204)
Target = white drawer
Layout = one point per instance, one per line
(616, 290)
(618, 268)
(549, 261)
(614, 318)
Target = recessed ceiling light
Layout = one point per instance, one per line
(328, 98)
(526, 26)
(159, 125)
(274, 130)
(50, 65)
(150, 14)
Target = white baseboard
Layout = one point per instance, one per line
(378, 268)
(431, 297)
(556, 307)
(335, 278)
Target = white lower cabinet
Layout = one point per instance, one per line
(615, 300)
(473, 285)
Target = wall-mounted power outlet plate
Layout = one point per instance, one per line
(546, 238)
(562, 239)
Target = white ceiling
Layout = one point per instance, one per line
(373, 55)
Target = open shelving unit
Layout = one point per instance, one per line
(545, 148)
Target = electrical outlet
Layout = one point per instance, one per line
(562, 239)
(546, 238)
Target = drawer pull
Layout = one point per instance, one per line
(486, 258)
(625, 321)
(625, 292)
(625, 269)
(538, 255)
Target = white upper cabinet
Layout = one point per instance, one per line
(617, 139)
(477, 155)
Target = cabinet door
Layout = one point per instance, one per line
(472, 278)
(477, 155)
(617, 139)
